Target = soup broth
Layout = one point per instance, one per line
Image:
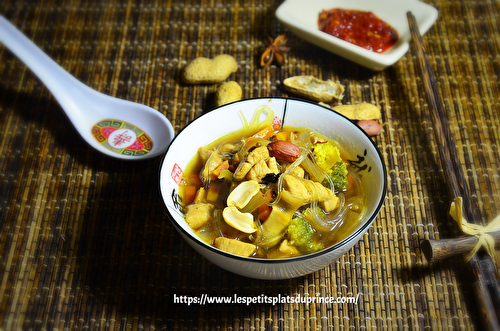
(277, 193)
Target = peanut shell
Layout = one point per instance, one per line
(315, 88)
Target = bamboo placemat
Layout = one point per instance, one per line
(86, 244)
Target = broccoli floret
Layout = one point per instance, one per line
(328, 158)
(338, 174)
(301, 235)
(299, 232)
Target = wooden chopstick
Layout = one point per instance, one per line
(440, 249)
(481, 266)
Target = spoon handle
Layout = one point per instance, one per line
(60, 83)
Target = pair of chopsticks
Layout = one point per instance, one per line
(481, 266)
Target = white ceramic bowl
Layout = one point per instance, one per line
(301, 17)
(226, 119)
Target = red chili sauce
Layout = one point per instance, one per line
(358, 27)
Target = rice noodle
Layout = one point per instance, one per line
(207, 166)
(267, 243)
(248, 129)
(218, 222)
(342, 215)
(356, 180)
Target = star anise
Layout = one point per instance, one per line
(276, 50)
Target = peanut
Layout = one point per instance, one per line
(371, 127)
(360, 111)
(227, 93)
(209, 71)
(284, 150)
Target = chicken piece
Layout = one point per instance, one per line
(242, 171)
(258, 154)
(228, 148)
(212, 163)
(309, 191)
(261, 169)
(205, 153)
(297, 172)
(288, 249)
(258, 171)
(199, 214)
(273, 165)
(234, 246)
(330, 204)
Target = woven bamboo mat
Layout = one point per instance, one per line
(85, 242)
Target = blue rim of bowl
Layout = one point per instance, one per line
(290, 260)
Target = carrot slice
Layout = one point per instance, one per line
(283, 135)
(264, 211)
(223, 166)
(189, 194)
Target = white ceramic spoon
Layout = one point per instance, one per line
(118, 128)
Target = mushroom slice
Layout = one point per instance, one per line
(238, 220)
(243, 193)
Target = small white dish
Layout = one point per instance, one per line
(301, 17)
(288, 112)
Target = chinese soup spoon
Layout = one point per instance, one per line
(115, 127)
